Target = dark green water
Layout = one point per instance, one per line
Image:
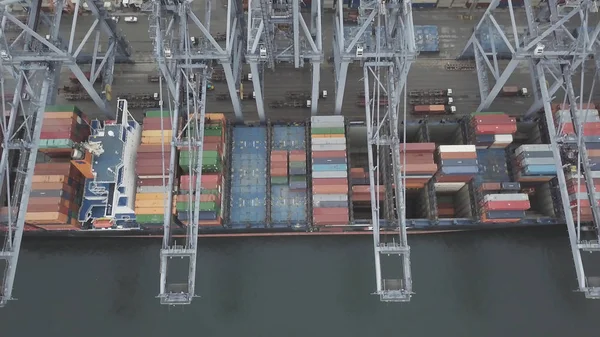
(478, 284)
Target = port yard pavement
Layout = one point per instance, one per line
(428, 72)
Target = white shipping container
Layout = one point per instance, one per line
(329, 147)
(457, 148)
(328, 141)
(504, 139)
(449, 187)
(506, 197)
(330, 174)
(329, 197)
(532, 148)
(444, 3)
(326, 119)
(537, 161)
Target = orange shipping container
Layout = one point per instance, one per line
(330, 189)
(279, 172)
(329, 154)
(366, 189)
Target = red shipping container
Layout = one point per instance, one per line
(279, 158)
(206, 180)
(507, 205)
(367, 189)
(329, 181)
(330, 189)
(331, 211)
(153, 181)
(417, 147)
(297, 157)
(158, 148)
(417, 169)
(495, 129)
(329, 219)
(329, 154)
(279, 172)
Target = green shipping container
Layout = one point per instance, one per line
(279, 180)
(150, 218)
(319, 131)
(56, 144)
(212, 132)
(204, 206)
(297, 178)
(337, 131)
(158, 113)
(297, 164)
(215, 192)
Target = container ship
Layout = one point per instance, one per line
(484, 170)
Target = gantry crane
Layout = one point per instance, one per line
(35, 62)
(548, 47)
(277, 32)
(384, 43)
(186, 74)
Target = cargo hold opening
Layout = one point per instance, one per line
(417, 204)
(359, 159)
(540, 199)
(445, 133)
(454, 204)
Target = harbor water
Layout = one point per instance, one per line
(495, 283)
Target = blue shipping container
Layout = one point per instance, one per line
(459, 170)
(539, 170)
(334, 167)
(505, 214)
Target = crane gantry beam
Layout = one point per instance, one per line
(186, 73)
(551, 51)
(385, 36)
(35, 62)
(277, 32)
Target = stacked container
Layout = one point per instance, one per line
(279, 167)
(588, 116)
(419, 164)
(55, 198)
(288, 176)
(152, 168)
(63, 127)
(361, 187)
(492, 130)
(457, 165)
(503, 208)
(329, 171)
(213, 154)
(534, 163)
(578, 196)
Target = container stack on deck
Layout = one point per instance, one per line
(64, 126)
(213, 154)
(419, 163)
(152, 168)
(329, 171)
(457, 165)
(588, 116)
(503, 208)
(361, 188)
(534, 163)
(492, 130)
(288, 176)
(56, 189)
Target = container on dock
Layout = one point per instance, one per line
(492, 130)
(55, 198)
(152, 169)
(534, 163)
(211, 181)
(288, 176)
(63, 127)
(330, 170)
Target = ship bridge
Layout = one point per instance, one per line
(108, 200)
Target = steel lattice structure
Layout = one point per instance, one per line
(35, 62)
(384, 43)
(277, 32)
(186, 74)
(551, 51)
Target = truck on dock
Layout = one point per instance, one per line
(153, 78)
(430, 93)
(433, 109)
(512, 91)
